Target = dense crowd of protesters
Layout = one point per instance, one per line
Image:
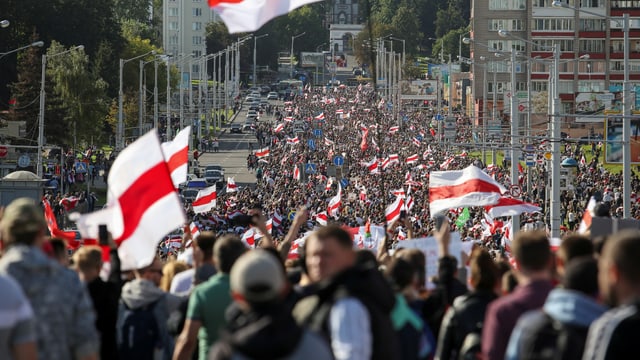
(216, 296)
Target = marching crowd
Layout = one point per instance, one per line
(298, 288)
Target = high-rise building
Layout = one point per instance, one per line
(586, 86)
(345, 23)
(184, 28)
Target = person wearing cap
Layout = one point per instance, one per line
(65, 319)
(265, 327)
(208, 303)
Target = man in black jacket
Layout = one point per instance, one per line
(104, 294)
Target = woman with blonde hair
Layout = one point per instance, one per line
(170, 270)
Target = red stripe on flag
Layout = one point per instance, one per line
(213, 3)
(207, 199)
(178, 159)
(454, 191)
(150, 187)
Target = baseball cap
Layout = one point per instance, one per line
(258, 277)
(22, 216)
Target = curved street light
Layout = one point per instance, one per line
(4, 23)
(34, 44)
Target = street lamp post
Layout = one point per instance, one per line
(43, 95)
(291, 54)
(626, 106)
(120, 129)
(404, 51)
(4, 23)
(255, 41)
(34, 44)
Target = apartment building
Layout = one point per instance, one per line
(184, 28)
(587, 86)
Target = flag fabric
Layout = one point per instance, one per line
(205, 200)
(279, 128)
(288, 119)
(394, 129)
(408, 201)
(293, 141)
(445, 165)
(463, 218)
(13, 102)
(329, 183)
(322, 218)
(248, 16)
(372, 166)
(507, 206)
(231, 185)
(176, 154)
(392, 213)
(416, 141)
(52, 225)
(328, 142)
(144, 205)
(277, 219)
(398, 192)
(363, 143)
(585, 224)
(264, 152)
(462, 188)
(334, 203)
(69, 203)
(249, 237)
(193, 228)
(319, 116)
(296, 173)
(385, 163)
(412, 159)
(394, 159)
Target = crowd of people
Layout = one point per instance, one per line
(300, 287)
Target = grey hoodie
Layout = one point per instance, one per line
(65, 319)
(140, 292)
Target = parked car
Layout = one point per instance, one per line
(248, 126)
(265, 90)
(272, 96)
(188, 195)
(214, 167)
(252, 113)
(213, 176)
(236, 129)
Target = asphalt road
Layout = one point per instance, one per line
(234, 149)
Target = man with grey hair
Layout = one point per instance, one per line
(65, 319)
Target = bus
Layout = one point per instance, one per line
(290, 87)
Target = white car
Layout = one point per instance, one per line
(272, 96)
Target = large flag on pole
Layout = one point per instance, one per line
(462, 188)
(510, 207)
(176, 154)
(143, 204)
(250, 15)
(205, 200)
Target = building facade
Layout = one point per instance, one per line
(345, 23)
(184, 28)
(589, 86)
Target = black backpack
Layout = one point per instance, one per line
(550, 339)
(138, 332)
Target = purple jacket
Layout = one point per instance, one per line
(503, 313)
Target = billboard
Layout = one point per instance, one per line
(596, 104)
(614, 144)
(311, 59)
(418, 90)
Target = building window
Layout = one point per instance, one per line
(625, 4)
(565, 87)
(591, 46)
(592, 67)
(197, 40)
(507, 45)
(506, 24)
(501, 86)
(173, 11)
(197, 53)
(173, 40)
(552, 24)
(197, 11)
(196, 26)
(618, 65)
(591, 86)
(195, 68)
(507, 4)
(173, 25)
(539, 86)
(521, 86)
(547, 45)
(593, 25)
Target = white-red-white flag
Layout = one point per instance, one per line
(143, 204)
(231, 185)
(394, 129)
(288, 119)
(193, 228)
(320, 116)
(462, 188)
(264, 152)
(249, 16)
(322, 218)
(416, 141)
(328, 142)
(587, 216)
(510, 207)
(392, 212)
(335, 202)
(293, 141)
(412, 159)
(372, 166)
(329, 183)
(176, 154)
(296, 173)
(278, 128)
(205, 200)
(277, 219)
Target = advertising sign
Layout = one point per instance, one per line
(418, 90)
(613, 145)
(311, 59)
(596, 104)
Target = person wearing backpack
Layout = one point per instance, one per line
(559, 330)
(461, 330)
(142, 316)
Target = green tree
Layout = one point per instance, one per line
(136, 10)
(406, 25)
(82, 90)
